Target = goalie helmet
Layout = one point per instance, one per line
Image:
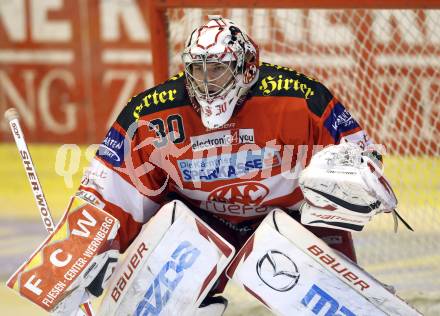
(221, 65)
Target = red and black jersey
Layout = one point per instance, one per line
(158, 146)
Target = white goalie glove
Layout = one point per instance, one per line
(344, 187)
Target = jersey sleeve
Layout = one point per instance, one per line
(123, 181)
(332, 122)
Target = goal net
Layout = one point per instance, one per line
(384, 66)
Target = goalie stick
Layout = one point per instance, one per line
(12, 116)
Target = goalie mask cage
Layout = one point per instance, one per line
(382, 60)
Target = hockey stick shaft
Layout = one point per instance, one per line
(12, 117)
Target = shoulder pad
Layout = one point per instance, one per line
(169, 94)
(277, 80)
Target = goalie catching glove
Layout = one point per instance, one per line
(344, 187)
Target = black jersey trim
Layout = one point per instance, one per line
(276, 80)
(168, 95)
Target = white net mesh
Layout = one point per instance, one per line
(384, 65)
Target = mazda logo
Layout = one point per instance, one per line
(277, 271)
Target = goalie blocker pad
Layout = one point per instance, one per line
(69, 259)
(169, 268)
(296, 273)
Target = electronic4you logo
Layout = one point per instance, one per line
(222, 138)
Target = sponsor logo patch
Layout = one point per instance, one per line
(228, 166)
(112, 148)
(165, 282)
(154, 99)
(340, 121)
(316, 298)
(337, 266)
(246, 193)
(271, 85)
(277, 271)
(223, 138)
(235, 209)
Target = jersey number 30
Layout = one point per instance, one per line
(174, 132)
